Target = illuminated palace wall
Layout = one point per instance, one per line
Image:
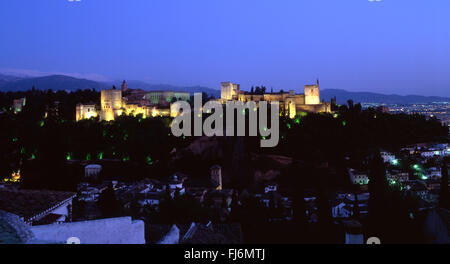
(86, 111)
(112, 104)
(290, 102)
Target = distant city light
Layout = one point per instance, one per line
(395, 162)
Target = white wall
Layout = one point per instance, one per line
(120, 230)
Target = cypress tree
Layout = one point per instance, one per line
(378, 188)
(444, 196)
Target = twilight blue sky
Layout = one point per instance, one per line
(392, 46)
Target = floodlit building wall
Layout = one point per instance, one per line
(312, 95)
(229, 90)
(85, 112)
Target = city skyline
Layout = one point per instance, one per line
(354, 45)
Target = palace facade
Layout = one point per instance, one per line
(115, 102)
(290, 102)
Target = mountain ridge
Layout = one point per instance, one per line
(370, 97)
(68, 83)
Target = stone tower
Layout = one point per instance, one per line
(111, 104)
(312, 94)
(229, 90)
(216, 176)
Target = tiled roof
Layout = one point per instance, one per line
(29, 203)
(215, 234)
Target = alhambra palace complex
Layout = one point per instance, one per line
(115, 102)
(290, 102)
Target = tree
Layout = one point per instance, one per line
(378, 188)
(258, 90)
(444, 196)
(350, 104)
(108, 203)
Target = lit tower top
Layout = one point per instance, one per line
(312, 95)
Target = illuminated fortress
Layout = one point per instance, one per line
(290, 102)
(157, 103)
(113, 103)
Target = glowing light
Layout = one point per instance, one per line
(33, 156)
(148, 160)
(395, 162)
(292, 110)
(297, 121)
(416, 167)
(335, 115)
(288, 126)
(126, 158)
(15, 139)
(88, 156)
(344, 123)
(15, 176)
(69, 156)
(41, 124)
(154, 112)
(100, 155)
